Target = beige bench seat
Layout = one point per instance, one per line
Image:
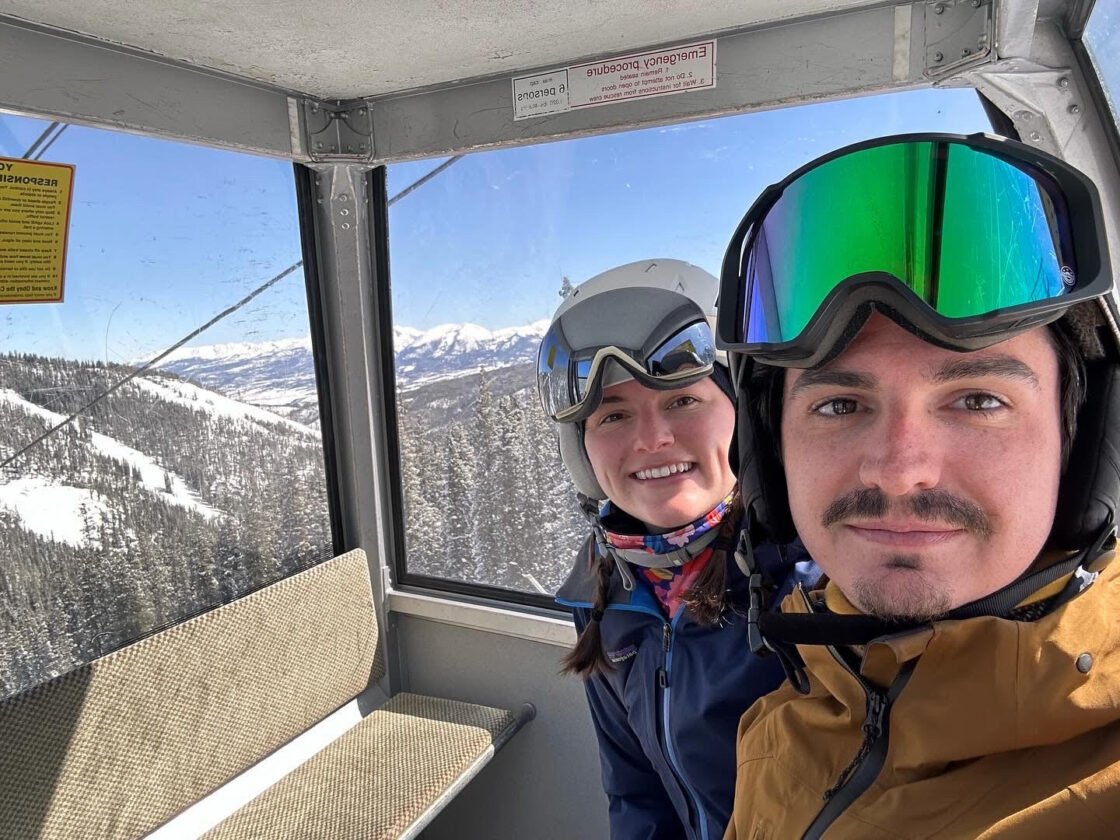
(385, 778)
(116, 748)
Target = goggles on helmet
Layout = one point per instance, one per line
(571, 380)
(968, 240)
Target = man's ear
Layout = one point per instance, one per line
(762, 478)
(1089, 492)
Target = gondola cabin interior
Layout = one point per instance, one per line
(280, 517)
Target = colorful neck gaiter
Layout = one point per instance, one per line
(670, 585)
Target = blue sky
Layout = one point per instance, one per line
(489, 239)
(165, 235)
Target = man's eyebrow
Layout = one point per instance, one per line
(1008, 367)
(836, 378)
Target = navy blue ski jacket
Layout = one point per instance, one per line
(667, 713)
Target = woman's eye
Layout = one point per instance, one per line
(613, 417)
(981, 402)
(836, 407)
(683, 401)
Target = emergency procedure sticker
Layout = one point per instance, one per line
(637, 76)
(34, 225)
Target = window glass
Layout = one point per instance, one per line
(130, 500)
(481, 255)
(1102, 39)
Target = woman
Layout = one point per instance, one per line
(629, 372)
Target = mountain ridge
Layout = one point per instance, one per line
(279, 375)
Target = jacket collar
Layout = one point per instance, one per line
(582, 583)
(983, 685)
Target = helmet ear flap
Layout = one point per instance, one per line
(574, 456)
(1089, 491)
(762, 479)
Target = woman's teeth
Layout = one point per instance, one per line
(662, 472)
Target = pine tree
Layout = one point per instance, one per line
(491, 508)
(461, 560)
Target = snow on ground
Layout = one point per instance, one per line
(52, 511)
(152, 475)
(7, 395)
(184, 393)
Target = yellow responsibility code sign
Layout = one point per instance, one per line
(34, 224)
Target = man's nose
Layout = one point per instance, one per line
(901, 456)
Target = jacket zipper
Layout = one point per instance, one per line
(664, 682)
(868, 762)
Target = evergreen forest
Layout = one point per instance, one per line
(164, 500)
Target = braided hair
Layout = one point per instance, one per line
(707, 598)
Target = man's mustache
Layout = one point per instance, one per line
(940, 506)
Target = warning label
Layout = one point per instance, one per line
(34, 224)
(637, 76)
(535, 96)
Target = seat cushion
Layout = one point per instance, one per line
(385, 778)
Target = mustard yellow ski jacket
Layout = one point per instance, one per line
(983, 727)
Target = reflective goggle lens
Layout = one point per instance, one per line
(566, 383)
(692, 347)
(552, 374)
(965, 230)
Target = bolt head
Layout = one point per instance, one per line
(938, 9)
(938, 57)
(966, 52)
(1074, 108)
(1063, 82)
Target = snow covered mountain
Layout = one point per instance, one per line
(456, 349)
(280, 375)
(160, 499)
(163, 498)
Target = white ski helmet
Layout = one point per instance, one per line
(651, 320)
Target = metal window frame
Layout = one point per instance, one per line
(401, 578)
(47, 72)
(311, 278)
(1093, 82)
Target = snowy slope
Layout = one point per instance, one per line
(55, 511)
(201, 399)
(273, 374)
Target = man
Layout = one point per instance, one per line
(926, 363)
